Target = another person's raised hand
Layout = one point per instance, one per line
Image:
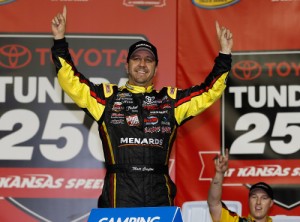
(225, 39)
(221, 162)
(59, 24)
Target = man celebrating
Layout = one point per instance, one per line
(138, 124)
(260, 198)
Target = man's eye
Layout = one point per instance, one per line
(135, 58)
(149, 60)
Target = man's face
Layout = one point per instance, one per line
(259, 204)
(141, 68)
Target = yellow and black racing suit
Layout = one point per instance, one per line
(137, 127)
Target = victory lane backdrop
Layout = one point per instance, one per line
(258, 115)
(262, 105)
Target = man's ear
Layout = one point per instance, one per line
(272, 202)
(126, 68)
(155, 71)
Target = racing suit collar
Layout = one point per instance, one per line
(250, 219)
(139, 89)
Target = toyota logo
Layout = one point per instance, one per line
(247, 70)
(14, 56)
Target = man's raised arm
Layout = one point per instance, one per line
(215, 189)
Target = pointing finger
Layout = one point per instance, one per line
(65, 12)
(218, 28)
